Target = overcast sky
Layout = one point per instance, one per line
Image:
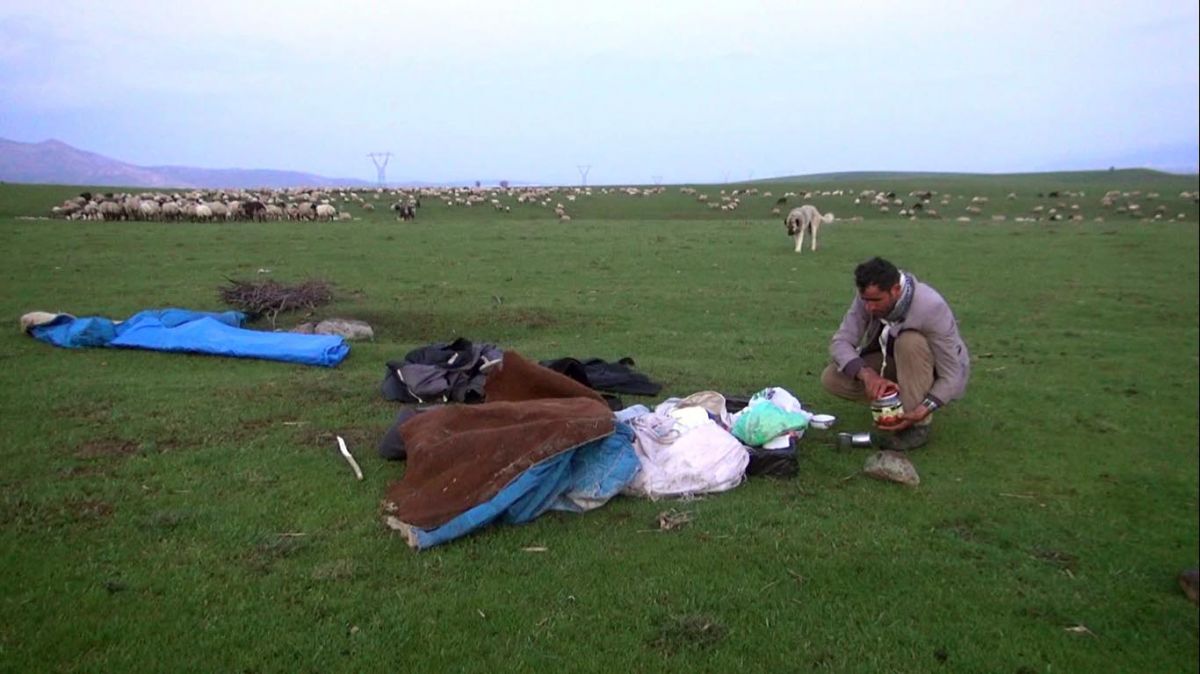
(641, 92)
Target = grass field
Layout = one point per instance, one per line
(185, 513)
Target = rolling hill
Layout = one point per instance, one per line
(53, 162)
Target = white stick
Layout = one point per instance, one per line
(349, 458)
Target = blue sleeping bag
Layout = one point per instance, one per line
(219, 334)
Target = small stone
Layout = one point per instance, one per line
(891, 466)
(345, 327)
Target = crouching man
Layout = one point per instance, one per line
(898, 335)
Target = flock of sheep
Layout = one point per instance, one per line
(1065, 205)
(1054, 205)
(219, 205)
(348, 204)
(309, 204)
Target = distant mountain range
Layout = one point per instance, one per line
(53, 162)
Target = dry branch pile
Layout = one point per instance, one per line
(270, 298)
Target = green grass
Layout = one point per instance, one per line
(182, 513)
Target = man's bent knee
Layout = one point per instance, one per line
(911, 343)
(841, 385)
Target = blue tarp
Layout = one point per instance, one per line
(575, 480)
(183, 330)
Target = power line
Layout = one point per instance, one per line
(380, 166)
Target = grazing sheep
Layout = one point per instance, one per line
(202, 213)
(170, 211)
(805, 218)
(149, 210)
(326, 212)
(111, 210)
(254, 210)
(404, 211)
(132, 207)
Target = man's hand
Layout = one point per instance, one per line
(905, 420)
(877, 386)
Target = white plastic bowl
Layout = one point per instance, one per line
(822, 421)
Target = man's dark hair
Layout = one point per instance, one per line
(876, 272)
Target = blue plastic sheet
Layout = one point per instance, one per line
(183, 330)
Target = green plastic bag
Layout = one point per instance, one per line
(760, 423)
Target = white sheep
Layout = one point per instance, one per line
(202, 213)
(149, 209)
(111, 210)
(326, 212)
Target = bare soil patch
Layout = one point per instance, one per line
(93, 449)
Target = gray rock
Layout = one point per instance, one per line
(305, 328)
(892, 466)
(346, 327)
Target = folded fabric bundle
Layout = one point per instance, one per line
(508, 459)
(442, 372)
(575, 480)
(683, 451)
(601, 375)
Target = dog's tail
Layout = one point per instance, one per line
(827, 218)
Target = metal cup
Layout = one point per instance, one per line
(853, 440)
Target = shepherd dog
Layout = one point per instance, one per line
(805, 218)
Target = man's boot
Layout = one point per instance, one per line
(913, 437)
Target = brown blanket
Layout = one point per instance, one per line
(461, 455)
